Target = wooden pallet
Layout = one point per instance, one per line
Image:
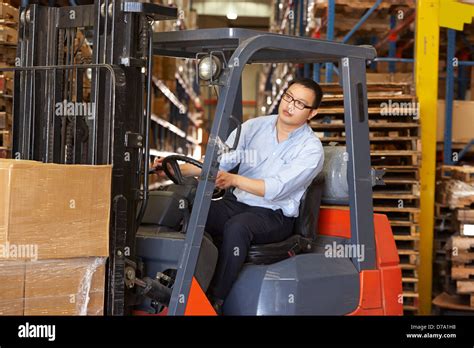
(8, 35)
(6, 83)
(409, 270)
(397, 189)
(464, 173)
(410, 301)
(460, 251)
(407, 242)
(402, 228)
(466, 288)
(465, 215)
(395, 157)
(408, 112)
(410, 284)
(9, 13)
(454, 302)
(399, 214)
(378, 138)
(443, 210)
(7, 56)
(409, 257)
(5, 153)
(373, 125)
(403, 138)
(5, 120)
(445, 172)
(329, 99)
(5, 139)
(462, 272)
(395, 148)
(389, 88)
(465, 244)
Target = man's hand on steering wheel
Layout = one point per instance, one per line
(157, 168)
(173, 171)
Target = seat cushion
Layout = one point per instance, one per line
(263, 254)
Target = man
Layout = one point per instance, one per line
(278, 157)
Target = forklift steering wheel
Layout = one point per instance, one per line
(177, 177)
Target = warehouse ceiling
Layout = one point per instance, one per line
(234, 8)
(236, 14)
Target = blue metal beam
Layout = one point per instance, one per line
(317, 72)
(330, 34)
(361, 21)
(390, 59)
(448, 120)
(465, 149)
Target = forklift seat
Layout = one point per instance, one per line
(304, 230)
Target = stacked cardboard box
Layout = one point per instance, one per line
(52, 287)
(54, 222)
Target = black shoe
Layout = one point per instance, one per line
(218, 308)
(217, 304)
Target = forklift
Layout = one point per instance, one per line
(161, 260)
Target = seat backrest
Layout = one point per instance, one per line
(306, 224)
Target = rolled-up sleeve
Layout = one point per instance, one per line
(297, 173)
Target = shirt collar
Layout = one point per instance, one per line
(293, 133)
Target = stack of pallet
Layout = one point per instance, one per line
(454, 233)
(8, 40)
(395, 148)
(460, 253)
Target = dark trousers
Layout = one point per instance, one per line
(234, 226)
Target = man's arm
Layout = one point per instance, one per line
(186, 168)
(279, 186)
(189, 170)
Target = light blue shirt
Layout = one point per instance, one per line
(287, 167)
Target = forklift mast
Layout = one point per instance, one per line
(82, 96)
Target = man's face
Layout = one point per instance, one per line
(289, 113)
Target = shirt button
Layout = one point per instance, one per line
(274, 154)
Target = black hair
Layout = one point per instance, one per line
(312, 85)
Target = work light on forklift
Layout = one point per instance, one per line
(209, 68)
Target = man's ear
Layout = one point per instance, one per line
(312, 113)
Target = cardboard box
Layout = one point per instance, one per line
(463, 117)
(12, 287)
(52, 287)
(63, 210)
(65, 287)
